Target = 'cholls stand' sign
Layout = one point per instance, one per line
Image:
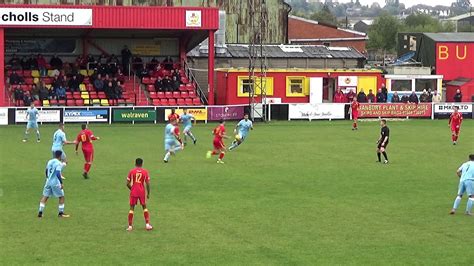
(46, 16)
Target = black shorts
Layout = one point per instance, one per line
(380, 145)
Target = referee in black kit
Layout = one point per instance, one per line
(382, 143)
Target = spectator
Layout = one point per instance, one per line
(27, 99)
(424, 97)
(137, 64)
(384, 91)
(60, 93)
(74, 84)
(143, 73)
(113, 60)
(175, 73)
(119, 90)
(103, 59)
(14, 78)
(371, 97)
(158, 84)
(15, 62)
(167, 84)
(404, 99)
(153, 64)
(126, 56)
(33, 63)
(176, 83)
(350, 95)
(42, 65)
(361, 97)
(43, 91)
(395, 98)
(25, 63)
(18, 95)
(99, 83)
(56, 62)
(91, 62)
(109, 90)
(159, 72)
(436, 97)
(120, 76)
(339, 97)
(168, 63)
(430, 95)
(101, 69)
(56, 83)
(413, 98)
(81, 62)
(381, 97)
(458, 96)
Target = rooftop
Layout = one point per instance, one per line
(451, 37)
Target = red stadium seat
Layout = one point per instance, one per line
(26, 73)
(184, 80)
(53, 102)
(152, 80)
(190, 87)
(37, 103)
(160, 94)
(25, 87)
(62, 102)
(168, 94)
(176, 94)
(153, 95)
(156, 102)
(164, 102)
(184, 94)
(192, 94)
(197, 101)
(93, 95)
(121, 102)
(86, 81)
(102, 95)
(79, 102)
(180, 102)
(188, 101)
(182, 87)
(29, 81)
(146, 80)
(150, 88)
(172, 102)
(76, 95)
(89, 87)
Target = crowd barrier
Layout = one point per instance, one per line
(159, 114)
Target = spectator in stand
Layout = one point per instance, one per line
(361, 97)
(158, 84)
(424, 97)
(436, 97)
(100, 69)
(81, 62)
(15, 62)
(351, 95)
(395, 98)
(167, 84)
(381, 97)
(119, 90)
(413, 98)
(339, 97)
(99, 83)
(113, 60)
(175, 73)
(176, 83)
(14, 78)
(91, 62)
(114, 81)
(143, 73)
(404, 98)
(384, 91)
(74, 84)
(371, 97)
(110, 90)
(60, 93)
(120, 76)
(56, 83)
(126, 56)
(103, 59)
(27, 99)
(458, 96)
(168, 63)
(137, 64)
(153, 64)
(159, 72)
(18, 95)
(33, 63)
(25, 63)
(68, 70)
(43, 91)
(56, 62)
(42, 65)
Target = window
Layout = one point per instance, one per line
(425, 84)
(296, 87)
(245, 86)
(327, 44)
(401, 85)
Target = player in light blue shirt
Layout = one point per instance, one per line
(53, 185)
(466, 184)
(187, 120)
(32, 116)
(59, 140)
(173, 142)
(242, 130)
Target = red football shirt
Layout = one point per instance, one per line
(355, 106)
(219, 132)
(137, 177)
(174, 116)
(455, 119)
(86, 137)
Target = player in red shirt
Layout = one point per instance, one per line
(219, 147)
(86, 137)
(173, 115)
(355, 112)
(455, 123)
(136, 179)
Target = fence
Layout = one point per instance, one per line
(159, 114)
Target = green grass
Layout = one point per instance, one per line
(298, 193)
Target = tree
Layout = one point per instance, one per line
(383, 32)
(324, 15)
(425, 23)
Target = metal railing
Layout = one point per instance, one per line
(189, 73)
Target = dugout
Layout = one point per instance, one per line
(103, 27)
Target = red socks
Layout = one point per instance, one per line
(87, 167)
(354, 125)
(214, 153)
(130, 218)
(221, 155)
(146, 215)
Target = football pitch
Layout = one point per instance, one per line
(294, 193)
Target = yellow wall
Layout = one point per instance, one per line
(367, 83)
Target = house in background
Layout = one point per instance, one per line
(363, 25)
(306, 31)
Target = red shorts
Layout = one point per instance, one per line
(218, 144)
(355, 115)
(88, 155)
(134, 200)
(455, 128)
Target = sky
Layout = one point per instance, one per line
(408, 3)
